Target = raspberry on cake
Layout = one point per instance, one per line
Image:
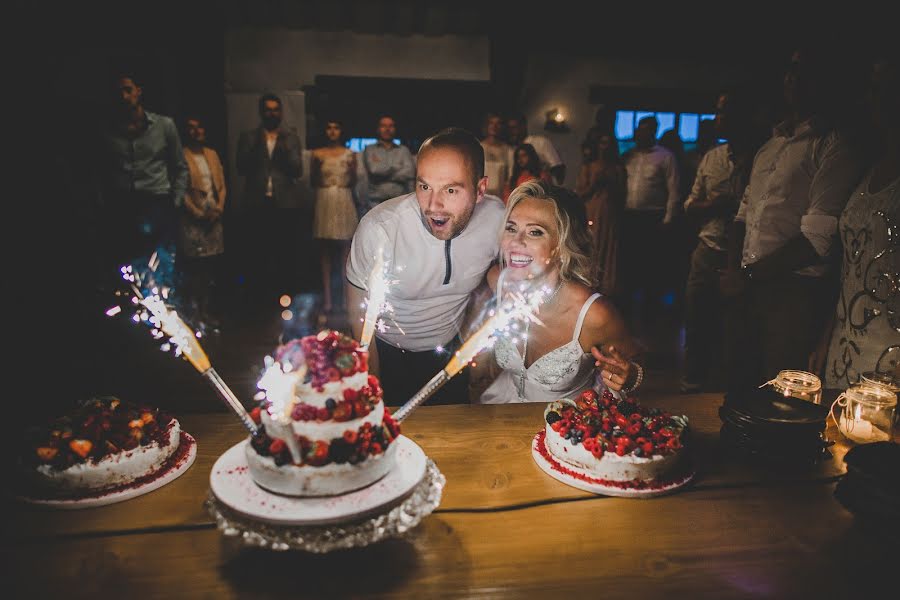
(103, 443)
(325, 430)
(615, 442)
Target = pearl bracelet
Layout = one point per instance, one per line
(637, 381)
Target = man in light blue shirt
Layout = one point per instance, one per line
(389, 166)
(143, 176)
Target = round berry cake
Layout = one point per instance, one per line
(612, 442)
(326, 430)
(103, 443)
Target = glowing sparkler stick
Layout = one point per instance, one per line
(518, 308)
(187, 345)
(374, 304)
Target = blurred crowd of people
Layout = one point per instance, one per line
(777, 236)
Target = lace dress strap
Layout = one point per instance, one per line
(581, 315)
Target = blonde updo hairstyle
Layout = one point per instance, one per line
(574, 243)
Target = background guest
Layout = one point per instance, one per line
(785, 230)
(498, 155)
(201, 237)
(865, 335)
(389, 166)
(526, 168)
(651, 204)
(517, 134)
(601, 185)
(143, 175)
(269, 159)
(333, 175)
(716, 193)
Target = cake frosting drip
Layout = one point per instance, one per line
(613, 440)
(325, 426)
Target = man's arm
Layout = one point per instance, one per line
(248, 144)
(287, 154)
(406, 170)
(178, 169)
(369, 239)
(378, 170)
(697, 197)
(559, 173)
(832, 183)
(673, 187)
(549, 154)
(356, 297)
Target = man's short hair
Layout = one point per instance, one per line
(464, 142)
(118, 75)
(520, 117)
(267, 98)
(650, 119)
(385, 115)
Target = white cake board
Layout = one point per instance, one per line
(554, 470)
(170, 473)
(232, 485)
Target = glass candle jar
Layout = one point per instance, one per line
(867, 413)
(885, 380)
(882, 379)
(798, 384)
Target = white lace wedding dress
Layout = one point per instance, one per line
(564, 372)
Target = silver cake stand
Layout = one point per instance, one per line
(396, 521)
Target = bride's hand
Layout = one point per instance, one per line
(615, 369)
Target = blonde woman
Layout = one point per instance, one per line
(582, 341)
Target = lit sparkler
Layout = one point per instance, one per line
(376, 304)
(503, 321)
(277, 388)
(164, 321)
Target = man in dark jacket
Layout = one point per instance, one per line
(269, 159)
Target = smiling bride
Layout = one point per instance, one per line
(581, 341)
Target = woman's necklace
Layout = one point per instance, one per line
(525, 343)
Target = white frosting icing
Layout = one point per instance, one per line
(610, 466)
(113, 470)
(327, 480)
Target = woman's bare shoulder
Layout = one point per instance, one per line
(492, 275)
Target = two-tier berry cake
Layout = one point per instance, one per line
(325, 427)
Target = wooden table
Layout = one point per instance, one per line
(503, 529)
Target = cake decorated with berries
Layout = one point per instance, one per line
(615, 442)
(102, 444)
(324, 427)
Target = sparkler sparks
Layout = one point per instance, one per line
(519, 306)
(165, 323)
(376, 304)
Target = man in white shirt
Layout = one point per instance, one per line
(784, 234)
(712, 203)
(439, 241)
(517, 133)
(651, 203)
